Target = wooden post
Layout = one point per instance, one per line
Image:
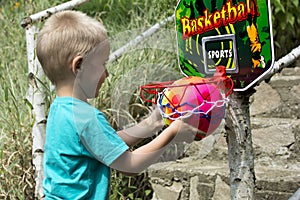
(240, 150)
(36, 96)
(239, 137)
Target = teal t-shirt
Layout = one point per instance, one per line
(80, 145)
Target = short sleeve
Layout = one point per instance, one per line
(101, 140)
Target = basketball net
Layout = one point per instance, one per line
(220, 80)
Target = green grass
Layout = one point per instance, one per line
(15, 118)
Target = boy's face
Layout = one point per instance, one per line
(93, 72)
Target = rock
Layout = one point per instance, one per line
(260, 104)
(280, 97)
(194, 194)
(222, 190)
(296, 147)
(167, 192)
(279, 131)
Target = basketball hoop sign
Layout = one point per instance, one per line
(236, 34)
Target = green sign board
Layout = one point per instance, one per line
(235, 34)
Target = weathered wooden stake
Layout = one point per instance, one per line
(239, 137)
(240, 150)
(36, 96)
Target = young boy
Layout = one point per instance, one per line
(81, 146)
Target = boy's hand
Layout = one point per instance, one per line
(183, 131)
(155, 119)
(146, 128)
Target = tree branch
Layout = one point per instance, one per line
(283, 62)
(240, 150)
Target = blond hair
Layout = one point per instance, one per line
(65, 35)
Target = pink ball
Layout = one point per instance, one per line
(194, 101)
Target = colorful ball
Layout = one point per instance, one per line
(195, 102)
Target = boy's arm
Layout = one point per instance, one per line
(138, 160)
(146, 128)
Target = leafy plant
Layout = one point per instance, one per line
(286, 23)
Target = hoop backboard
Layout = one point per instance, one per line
(234, 33)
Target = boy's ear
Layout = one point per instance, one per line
(76, 64)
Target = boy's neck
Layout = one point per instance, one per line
(67, 90)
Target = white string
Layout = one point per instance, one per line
(195, 111)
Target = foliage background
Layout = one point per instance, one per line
(119, 16)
